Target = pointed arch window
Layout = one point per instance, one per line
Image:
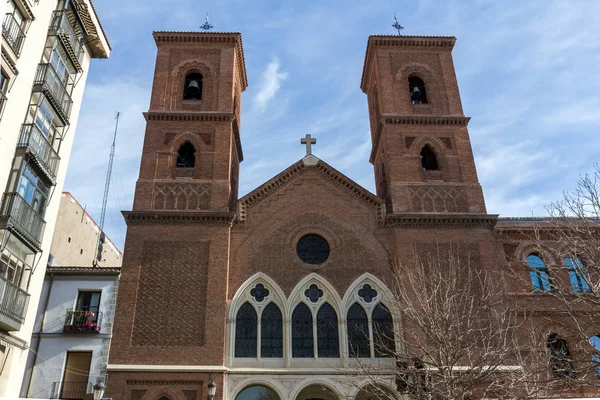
(418, 92)
(561, 361)
(359, 342)
(193, 87)
(245, 331)
(383, 332)
(577, 274)
(539, 274)
(328, 341)
(302, 332)
(428, 159)
(271, 332)
(186, 157)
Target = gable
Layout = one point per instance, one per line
(310, 177)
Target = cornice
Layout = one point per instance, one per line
(178, 217)
(234, 38)
(394, 119)
(424, 120)
(440, 42)
(83, 270)
(208, 116)
(7, 62)
(447, 220)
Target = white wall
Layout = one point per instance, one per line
(54, 344)
(13, 117)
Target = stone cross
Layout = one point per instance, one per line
(308, 141)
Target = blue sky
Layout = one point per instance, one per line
(527, 72)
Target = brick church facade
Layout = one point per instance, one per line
(258, 291)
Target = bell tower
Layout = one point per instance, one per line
(170, 314)
(421, 149)
(192, 149)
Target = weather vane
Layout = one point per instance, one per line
(395, 25)
(206, 26)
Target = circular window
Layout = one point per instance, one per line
(313, 249)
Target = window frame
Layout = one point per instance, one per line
(577, 274)
(539, 272)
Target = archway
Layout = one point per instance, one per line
(316, 392)
(257, 392)
(375, 392)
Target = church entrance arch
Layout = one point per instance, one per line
(316, 392)
(258, 392)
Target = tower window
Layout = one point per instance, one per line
(428, 159)
(193, 87)
(561, 361)
(539, 274)
(577, 274)
(185, 156)
(418, 93)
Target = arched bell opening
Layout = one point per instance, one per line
(418, 91)
(186, 156)
(192, 89)
(429, 160)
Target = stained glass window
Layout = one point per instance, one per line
(383, 332)
(577, 274)
(271, 332)
(538, 272)
(328, 342)
(358, 332)
(312, 249)
(367, 293)
(302, 332)
(245, 331)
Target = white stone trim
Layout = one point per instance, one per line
(169, 368)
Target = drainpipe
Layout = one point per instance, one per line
(39, 334)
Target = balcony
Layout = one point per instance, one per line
(62, 28)
(82, 321)
(34, 141)
(71, 390)
(13, 34)
(13, 305)
(19, 217)
(48, 82)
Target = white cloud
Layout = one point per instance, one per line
(269, 85)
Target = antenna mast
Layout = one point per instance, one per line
(102, 236)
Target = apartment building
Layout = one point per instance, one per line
(46, 50)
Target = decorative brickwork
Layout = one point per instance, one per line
(438, 199)
(181, 196)
(170, 268)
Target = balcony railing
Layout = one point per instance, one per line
(47, 80)
(13, 33)
(16, 214)
(82, 321)
(61, 27)
(13, 303)
(71, 390)
(35, 141)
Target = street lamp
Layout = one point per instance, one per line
(212, 389)
(99, 389)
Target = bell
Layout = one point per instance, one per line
(193, 88)
(416, 90)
